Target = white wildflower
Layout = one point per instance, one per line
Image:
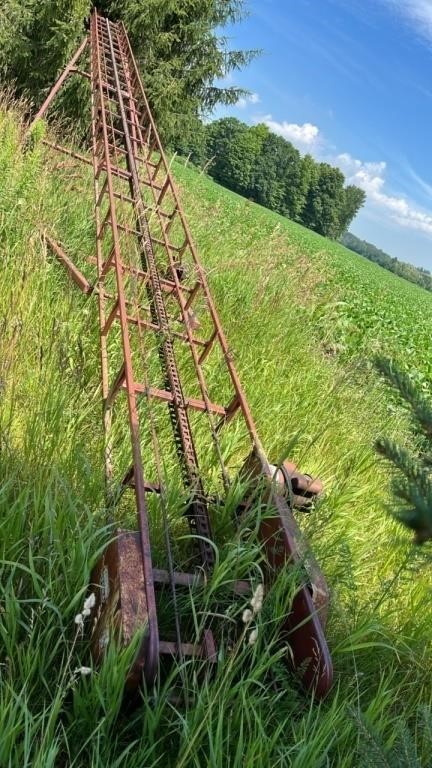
(247, 616)
(253, 637)
(89, 603)
(79, 620)
(257, 599)
(83, 671)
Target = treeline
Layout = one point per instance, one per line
(268, 169)
(414, 274)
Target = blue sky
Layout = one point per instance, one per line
(350, 81)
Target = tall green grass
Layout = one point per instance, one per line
(292, 306)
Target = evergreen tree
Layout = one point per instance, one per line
(37, 39)
(192, 143)
(179, 51)
(181, 55)
(412, 481)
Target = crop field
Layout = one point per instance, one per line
(355, 309)
(304, 318)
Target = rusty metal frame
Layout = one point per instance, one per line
(126, 149)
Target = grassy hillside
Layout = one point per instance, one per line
(304, 318)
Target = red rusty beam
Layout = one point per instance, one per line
(77, 276)
(69, 152)
(190, 402)
(70, 68)
(147, 660)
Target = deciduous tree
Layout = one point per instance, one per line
(325, 201)
(277, 175)
(235, 149)
(355, 198)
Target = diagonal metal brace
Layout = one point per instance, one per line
(77, 276)
(69, 70)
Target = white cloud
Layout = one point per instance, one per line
(424, 185)
(251, 98)
(417, 12)
(368, 176)
(371, 178)
(305, 135)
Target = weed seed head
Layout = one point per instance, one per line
(83, 671)
(247, 616)
(257, 599)
(89, 603)
(79, 620)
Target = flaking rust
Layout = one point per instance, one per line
(121, 609)
(155, 306)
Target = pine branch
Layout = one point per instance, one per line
(412, 483)
(401, 381)
(400, 457)
(413, 487)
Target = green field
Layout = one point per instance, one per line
(304, 318)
